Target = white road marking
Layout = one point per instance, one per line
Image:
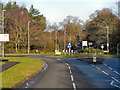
(114, 85)
(111, 83)
(110, 68)
(105, 64)
(69, 67)
(66, 64)
(93, 65)
(72, 77)
(115, 79)
(70, 71)
(58, 59)
(74, 86)
(105, 72)
(98, 68)
(116, 72)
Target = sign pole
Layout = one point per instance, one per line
(3, 31)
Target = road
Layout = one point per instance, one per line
(72, 73)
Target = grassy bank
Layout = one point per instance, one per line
(20, 72)
(30, 53)
(1, 63)
(86, 56)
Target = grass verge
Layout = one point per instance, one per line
(30, 53)
(87, 56)
(20, 72)
(1, 63)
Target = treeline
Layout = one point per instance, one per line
(44, 36)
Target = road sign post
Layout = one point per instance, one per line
(94, 58)
(4, 37)
(84, 43)
(69, 46)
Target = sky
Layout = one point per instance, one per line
(57, 10)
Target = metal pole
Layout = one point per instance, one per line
(56, 39)
(3, 31)
(70, 43)
(107, 39)
(117, 49)
(65, 40)
(28, 38)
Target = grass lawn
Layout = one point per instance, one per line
(20, 72)
(86, 56)
(31, 53)
(1, 63)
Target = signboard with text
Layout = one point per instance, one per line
(4, 37)
(84, 43)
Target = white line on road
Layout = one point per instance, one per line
(114, 85)
(98, 68)
(66, 64)
(74, 86)
(72, 77)
(58, 59)
(110, 68)
(115, 79)
(116, 72)
(111, 83)
(105, 64)
(93, 65)
(69, 67)
(70, 71)
(105, 72)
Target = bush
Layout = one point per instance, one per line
(90, 50)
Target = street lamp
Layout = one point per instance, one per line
(28, 38)
(3, 30)
(118, 49)
(107, 39)
(64, 39)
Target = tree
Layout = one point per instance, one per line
(96, 27)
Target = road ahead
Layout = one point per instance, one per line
(72, 73)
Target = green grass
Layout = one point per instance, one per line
(30, 53)
(86, 56)
(20, 72)
(1, 63)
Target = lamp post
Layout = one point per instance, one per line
(56, 40)
(3, 31)
(118, 49)
(107, 39)
(65, 40)
(28, 37)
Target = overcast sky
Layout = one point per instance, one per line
(57, 10)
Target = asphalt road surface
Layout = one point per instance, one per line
(72, 73)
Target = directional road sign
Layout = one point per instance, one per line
(4, 37)
(69, 46)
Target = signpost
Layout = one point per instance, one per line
(69, 46)
(84, 43)
(94, 58)
(102, 47)
(4, 37)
